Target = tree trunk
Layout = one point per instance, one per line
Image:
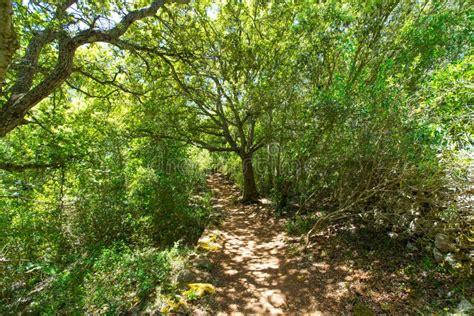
(8, 39)
(24, 95)
(250, 187)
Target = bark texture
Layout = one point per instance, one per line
(250, 187)
(8, 39)
(24, 95)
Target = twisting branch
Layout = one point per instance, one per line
(29, 166)
(90, 95)
(112, 82)
(24, 95)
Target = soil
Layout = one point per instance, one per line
(257, 267)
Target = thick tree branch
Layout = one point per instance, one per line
(221, 122)
(211, 148)
(24, 96)
(29, 166)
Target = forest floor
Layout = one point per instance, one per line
(256, 267)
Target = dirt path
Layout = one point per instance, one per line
(257, 270)
(253, 270)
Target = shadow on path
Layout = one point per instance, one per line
(258, 270)
(254, 272)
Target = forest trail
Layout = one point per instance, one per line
(256, 267)
(252, 267)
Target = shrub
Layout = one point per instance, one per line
(122, 277)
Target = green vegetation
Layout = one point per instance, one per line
(112, 112)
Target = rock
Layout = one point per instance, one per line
(186, 276)
(208, 244)
(438, 256)
(204, 276)
(176, 308)
(444, 243)
(203, 263)
(201, 289)
(465, 307)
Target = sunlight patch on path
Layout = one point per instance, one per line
(254, 273)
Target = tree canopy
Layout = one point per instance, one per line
(113, 113)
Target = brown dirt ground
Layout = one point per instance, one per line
(259, 270)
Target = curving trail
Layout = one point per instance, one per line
(256, 268)
(253, 269)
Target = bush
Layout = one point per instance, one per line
(299, 224)
(121, 278)
(117, 280)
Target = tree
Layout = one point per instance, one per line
(51, 35)
(232, 70)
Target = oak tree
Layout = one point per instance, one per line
(50, 35)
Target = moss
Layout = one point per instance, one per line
(208, 245)
(175, 307)
(200, 289)
(362, 310)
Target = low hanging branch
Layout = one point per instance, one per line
(29, 166)
(24, 94)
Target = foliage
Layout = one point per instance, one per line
(115, 281)
(343, 111)
(298, 225)
(380, 128)
(121, 278)
(89, 196)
